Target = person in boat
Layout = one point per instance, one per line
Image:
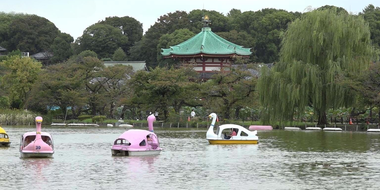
(47, 140)
(149, 139)
(233, 133)
(28, 140)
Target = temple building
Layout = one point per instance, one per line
(206, 52)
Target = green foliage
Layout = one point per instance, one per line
(60, 85)
(266, 27)
(87, 53)
(166, 24)
(61, 48)
(226, 91)
(21, 74)
(30, 33)
(103, 39)
(371, 14)
(242, 38)
(83, 117)
(172, 39)
(5, 21)
(329, 7)
(129, 27)
(318, 50)
(116, 88)
(17, 117)
(368, 85)
(162, 88)
(98, 118)
(219, 22)
(119, 55)
(106, 59)
(4, 102)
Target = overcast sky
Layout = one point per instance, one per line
(74, 16)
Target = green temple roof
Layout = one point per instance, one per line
(206, 42)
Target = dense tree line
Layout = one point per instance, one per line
(260, 30)
(76, 79)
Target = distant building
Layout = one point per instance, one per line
(137, 65)
(206, 52)
(3, 51)
(24, 54)
(42, 56)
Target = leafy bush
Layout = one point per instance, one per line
(99, 118)
(83, 117)
(4, 102)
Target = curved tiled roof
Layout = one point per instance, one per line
(206, 42)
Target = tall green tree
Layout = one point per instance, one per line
(129, 27)
(166, 24)
(162, 88)
(103, 39)
(115, 83)
(119, 55)
(226, 91)
(371, 14)
(59, 85)
(318, 50)
(31, 33)
(266, 27)
(21, 74)
(61, 47)
(5, 22)
(91, 68)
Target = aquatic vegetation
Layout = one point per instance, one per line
(17, 117)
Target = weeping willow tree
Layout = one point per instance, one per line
(318, 50)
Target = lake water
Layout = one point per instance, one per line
(281, 160)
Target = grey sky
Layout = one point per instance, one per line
(74, 16)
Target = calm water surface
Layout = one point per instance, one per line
(282, 160)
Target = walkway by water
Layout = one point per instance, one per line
(282, 160)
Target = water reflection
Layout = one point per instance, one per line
(36, 169)
(136, 164)
(320, 141)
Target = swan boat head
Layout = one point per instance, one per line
(210, 132)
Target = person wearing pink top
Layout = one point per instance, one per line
(233, 133)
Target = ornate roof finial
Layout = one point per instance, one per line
(206, 21)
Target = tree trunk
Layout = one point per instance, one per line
(111, 110)
(237, 112)
(322, 119)
(122, 111)
(93, 109)
(379, 119)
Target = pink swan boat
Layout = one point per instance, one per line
(36, 144)
(137, 142)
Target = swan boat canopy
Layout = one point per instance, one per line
(4, 138)
(36, 144)
(137, 142)
(223, 134)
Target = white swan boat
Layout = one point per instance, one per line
(242, 135)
